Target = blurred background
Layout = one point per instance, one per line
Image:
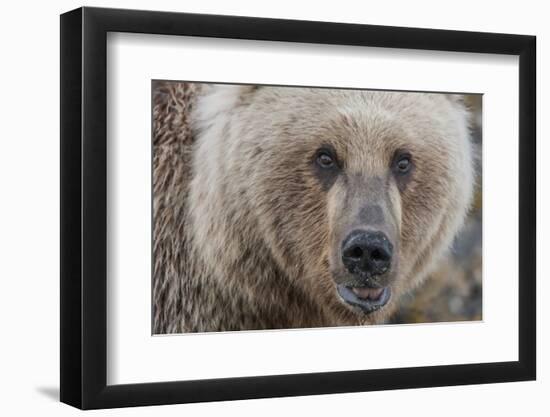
(454, 291)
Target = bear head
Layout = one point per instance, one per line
(351, 195)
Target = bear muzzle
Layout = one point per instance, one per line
(367, 258)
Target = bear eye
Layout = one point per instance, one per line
(325, 159)
(403, 163)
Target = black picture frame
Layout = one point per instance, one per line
(84, 207)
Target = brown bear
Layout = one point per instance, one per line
(287, 207)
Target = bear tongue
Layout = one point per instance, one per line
(368, 293)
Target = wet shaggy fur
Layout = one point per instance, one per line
(247, 232)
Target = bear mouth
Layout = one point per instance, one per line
(367, 299)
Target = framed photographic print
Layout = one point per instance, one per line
(257, 208)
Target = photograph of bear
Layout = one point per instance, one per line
(280, 207)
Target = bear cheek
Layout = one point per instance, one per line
(334, 224)
(423, 204)
(307, 227)
(296, 223)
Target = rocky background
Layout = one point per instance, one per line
(454, 291)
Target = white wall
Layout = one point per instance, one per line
(29, 225)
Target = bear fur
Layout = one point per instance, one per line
(246, 232)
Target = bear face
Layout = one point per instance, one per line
(349, 196)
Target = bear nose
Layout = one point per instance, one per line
(367, 253)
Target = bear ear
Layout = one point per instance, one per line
(217, 99)
(462, 103)
(457, 99)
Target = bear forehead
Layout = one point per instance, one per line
(349, 118)
(364, 110)
(324, 98)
